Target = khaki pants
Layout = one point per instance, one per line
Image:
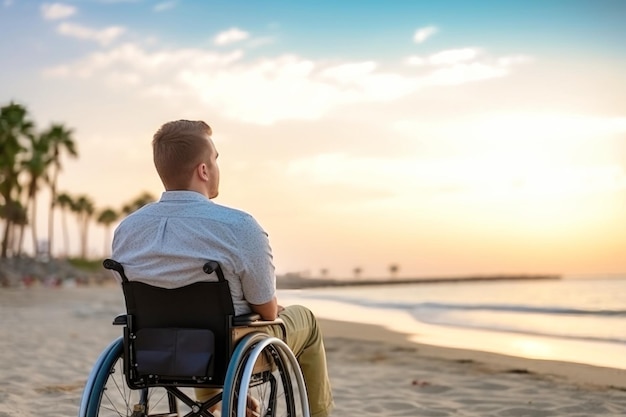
(305, 340)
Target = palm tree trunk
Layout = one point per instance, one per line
(66, 236)
(13, 246)
(53, 200)
(83, 237)
(6, 238)
(19, 244)
(33, 224)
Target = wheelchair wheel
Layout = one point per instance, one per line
(270, 392)
(107, 394)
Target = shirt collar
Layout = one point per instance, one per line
(183, 195)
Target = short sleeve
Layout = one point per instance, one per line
(257, 274)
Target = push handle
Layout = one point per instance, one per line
(213, 266)
(115, 266)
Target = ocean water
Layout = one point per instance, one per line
(572, 319)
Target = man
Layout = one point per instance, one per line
(166, 243)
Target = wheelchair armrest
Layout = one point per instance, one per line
(246, 319)
(255, 320)
(121, 320)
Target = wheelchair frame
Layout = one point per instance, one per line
(239, 374)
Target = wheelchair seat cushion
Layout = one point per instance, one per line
(174, 352)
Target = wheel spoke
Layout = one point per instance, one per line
(108, 395)
(271, 388)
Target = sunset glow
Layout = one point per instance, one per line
(446, 140)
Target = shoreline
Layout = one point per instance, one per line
(576, 373)
(292, 282)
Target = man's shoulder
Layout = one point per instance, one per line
(137, 214)
(231, 215)
(197, 210)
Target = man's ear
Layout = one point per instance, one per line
(203, 171)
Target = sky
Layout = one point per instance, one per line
(447, 138)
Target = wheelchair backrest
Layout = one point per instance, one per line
(179, 334)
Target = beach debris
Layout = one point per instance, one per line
(517, 371)
(420, 383)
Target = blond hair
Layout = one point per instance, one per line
(177, 148)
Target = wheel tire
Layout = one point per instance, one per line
(272, 389)
(107, 394)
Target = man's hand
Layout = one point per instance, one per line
(253, 407)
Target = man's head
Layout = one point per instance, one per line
(185, 157)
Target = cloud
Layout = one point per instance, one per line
(506, 61)
(56, 11)
(542, 127)
(416, 61)
(463, 65)
(412, 177)
(7, 3)
(448, 57)
(153, 67)
(269, 89)
(351, 72)
(395, 177)
(230, 36)
(163, 6)
(424, 33)
(340, 169)
(255, 43)
(453, 56)
(533, 153)
(104, 36)
(465, 73)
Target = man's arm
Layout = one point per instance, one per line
(258, 278)
(268, 311)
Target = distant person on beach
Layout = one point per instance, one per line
(166, 243)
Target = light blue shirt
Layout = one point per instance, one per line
(166, 243)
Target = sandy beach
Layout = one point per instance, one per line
(50, 337)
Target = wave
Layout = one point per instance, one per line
(513, 308)
(563, 323)
(567, 311)
(600, 325)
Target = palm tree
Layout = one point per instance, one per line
(15, 126)
(83, 207)
(65, 202)
(140, 201)
(60, 140)
(393, 270)
(16, 214)
(35, 166)
(106, 218)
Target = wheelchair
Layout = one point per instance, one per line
(176, 341)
